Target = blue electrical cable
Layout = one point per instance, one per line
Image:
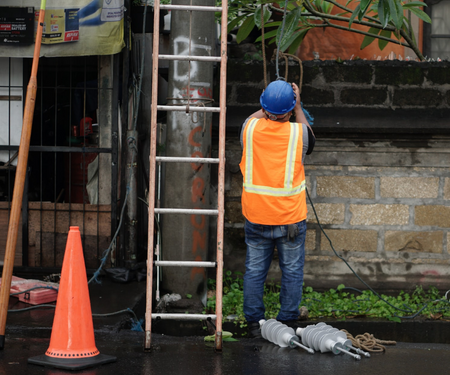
(309, 116)
(107, 251)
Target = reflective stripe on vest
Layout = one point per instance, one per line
(287, 190)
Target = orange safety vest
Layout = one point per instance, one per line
(274, 178)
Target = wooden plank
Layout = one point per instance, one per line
(48, 228)
(50, 248)
(49, 206)
(49, 224)
(11, 98)
(58, 218)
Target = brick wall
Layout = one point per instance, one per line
(381, 189)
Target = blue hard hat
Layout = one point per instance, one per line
(278, 98)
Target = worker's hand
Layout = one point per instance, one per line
(297, 94)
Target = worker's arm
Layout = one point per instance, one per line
(298, 111)
(309, 139)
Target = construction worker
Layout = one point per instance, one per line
(274, 201)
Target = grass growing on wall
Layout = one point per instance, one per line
(341, 303)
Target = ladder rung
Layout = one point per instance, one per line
(188, 211)
(183, 108)
(179, 263)
(185, 316)
(190, 58)
(171, 159)
(191, 7)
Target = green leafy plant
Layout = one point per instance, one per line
(339, 303)
(350, 303)
(389, 21)
(233, 296)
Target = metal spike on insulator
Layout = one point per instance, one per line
(282, 335)
(360, 351)
(356, 356)
(294, 341)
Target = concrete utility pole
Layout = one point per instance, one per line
(185, 237)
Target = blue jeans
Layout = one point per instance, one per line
(261, 241)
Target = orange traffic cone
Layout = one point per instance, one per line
(72, 343)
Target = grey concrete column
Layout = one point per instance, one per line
(185, 237)
(142, 48)
(105, 105)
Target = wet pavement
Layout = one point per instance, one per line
(28, 335)
(191, 355)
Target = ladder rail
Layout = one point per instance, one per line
(221, 172)
(152, 178)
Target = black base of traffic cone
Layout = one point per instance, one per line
(71, 363)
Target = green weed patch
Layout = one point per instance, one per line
(340, 303)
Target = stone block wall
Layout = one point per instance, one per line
(384, 84)
(382, 196)
(393, 214)
(390, 221)
(353, 96)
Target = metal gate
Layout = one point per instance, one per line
(73, 161)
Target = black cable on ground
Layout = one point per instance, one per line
(127, 310)
(31, 308)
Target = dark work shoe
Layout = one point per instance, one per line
(254, 330)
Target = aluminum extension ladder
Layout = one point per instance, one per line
(221, 172)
